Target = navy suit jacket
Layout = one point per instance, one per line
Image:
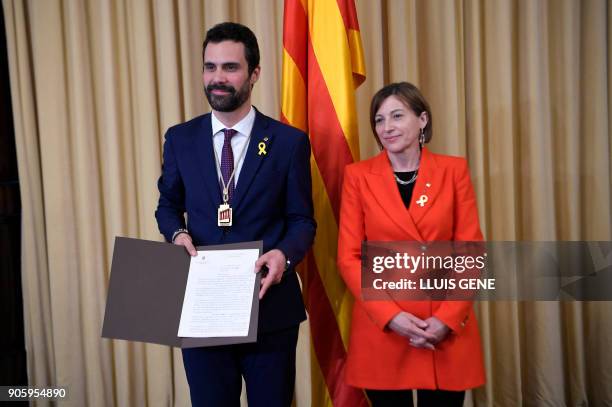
(272, 201)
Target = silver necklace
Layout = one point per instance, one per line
(410, 181)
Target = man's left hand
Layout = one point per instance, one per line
(275, 261)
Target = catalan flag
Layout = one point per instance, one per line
(323, 64)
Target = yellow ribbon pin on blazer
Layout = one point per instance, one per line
(422, 200)
(262, 148)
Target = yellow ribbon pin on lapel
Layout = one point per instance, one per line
(262, 148)
(422, 200)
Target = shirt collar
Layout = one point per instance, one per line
(243, 127)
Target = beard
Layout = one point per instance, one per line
(229, 102)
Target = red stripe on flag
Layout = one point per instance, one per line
(326, 339)
(284, 119)
(295, 34)
(329, 145)
(349, 14)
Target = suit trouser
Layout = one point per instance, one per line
(268, 367)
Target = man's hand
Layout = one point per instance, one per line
(275, 261)
(413, 328)
(437, 328)
(183, 239)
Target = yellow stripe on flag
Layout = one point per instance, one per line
(325, 250)
(294, 96)
(320, 392)
(357, 57)
(331, 48)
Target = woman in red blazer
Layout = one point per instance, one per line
(408, 193)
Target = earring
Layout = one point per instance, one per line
(422, 138)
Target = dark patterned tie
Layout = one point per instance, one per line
(227, 161)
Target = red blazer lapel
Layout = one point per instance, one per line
(427, 187)
(382, 185)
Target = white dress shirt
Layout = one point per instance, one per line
(239, 141)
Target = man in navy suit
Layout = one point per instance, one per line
(241, 176)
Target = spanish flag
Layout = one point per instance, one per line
(323, 64)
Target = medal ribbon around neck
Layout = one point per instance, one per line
(229, 181)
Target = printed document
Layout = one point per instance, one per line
(219, 294)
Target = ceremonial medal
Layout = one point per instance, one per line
(224, 212)
(224, 215)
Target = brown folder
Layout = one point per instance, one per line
(146, 291)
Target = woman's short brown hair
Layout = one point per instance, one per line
(411, 96)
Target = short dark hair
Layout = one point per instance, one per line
(411, 96)
(238, 33)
